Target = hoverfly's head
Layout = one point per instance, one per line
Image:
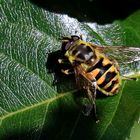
(68, 41)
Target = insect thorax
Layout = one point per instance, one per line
(80, 52)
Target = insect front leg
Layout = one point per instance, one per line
(67, 71)
(63, 61)
(66, 63)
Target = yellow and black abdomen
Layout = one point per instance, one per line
(107, 76)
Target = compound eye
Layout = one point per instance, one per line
(75, 37)
(66, 45)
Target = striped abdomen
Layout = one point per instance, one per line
(106, 75)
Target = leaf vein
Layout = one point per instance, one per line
(36, 105)
(115, 110)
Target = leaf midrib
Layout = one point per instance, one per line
(37, 104)
(48, 101)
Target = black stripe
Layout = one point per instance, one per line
(108, 77)
(100, 66)
(74, 52)
(99, 75)
(111, 86)
(81, 56)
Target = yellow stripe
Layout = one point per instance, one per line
(109, 84)
(106, 61)
(95, 72)
(115, 87)
(100, 80)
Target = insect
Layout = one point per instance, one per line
(95, 67)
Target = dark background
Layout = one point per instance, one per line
(100, 11)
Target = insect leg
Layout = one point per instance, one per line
(63, 61)
(128, 78)
(88, 107)
(89, 87)
(91, 94)
(67, 71)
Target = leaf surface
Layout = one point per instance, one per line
(30, 106)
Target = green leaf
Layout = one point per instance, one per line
(30, 106)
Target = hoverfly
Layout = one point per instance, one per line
(95, 67)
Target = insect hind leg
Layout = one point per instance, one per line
(128, 78)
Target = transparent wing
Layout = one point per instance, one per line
(128, 58)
